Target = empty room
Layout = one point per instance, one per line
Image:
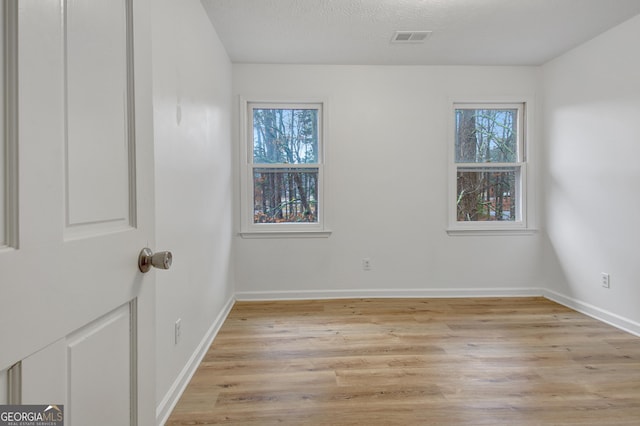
(333, 212)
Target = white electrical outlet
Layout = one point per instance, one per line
(366, 264)
(605, 280)
(177, 330)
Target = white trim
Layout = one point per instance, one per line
(605, 316)
(286, 234)
(168, 403)
(298, 230)
(491, 232)
(525, 220)
(388, 293)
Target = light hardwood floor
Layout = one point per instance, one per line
(488, 361)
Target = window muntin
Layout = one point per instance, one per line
(489, 165)
(283, 180)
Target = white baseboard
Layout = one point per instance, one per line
(164, 409)
(390, 293)
(607, 317)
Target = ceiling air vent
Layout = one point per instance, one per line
(410, 36)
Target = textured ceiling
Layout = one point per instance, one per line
(465, 32)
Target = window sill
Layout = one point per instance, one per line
(491, 232)
(285, 234)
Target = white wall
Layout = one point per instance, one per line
(192, 104)
(592, 188)
(387, 187)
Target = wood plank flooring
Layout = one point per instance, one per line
(488, 361)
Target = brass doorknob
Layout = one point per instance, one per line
(160, 260)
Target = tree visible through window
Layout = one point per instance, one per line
(286, 163)
(488, 160)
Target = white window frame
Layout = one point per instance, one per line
(249, 229)
(521, 225)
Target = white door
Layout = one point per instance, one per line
(76, 314)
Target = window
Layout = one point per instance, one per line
(489, 168)
(283, 174)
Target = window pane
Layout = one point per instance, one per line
(487, 194)
(285, 195)
(486, 135)
(287, 136)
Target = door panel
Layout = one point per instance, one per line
(85, 209)
(3, 142)
(98, 138)
(8, 126)
(67, 370)
(42, 373)
(110, 402)
(4, 386)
